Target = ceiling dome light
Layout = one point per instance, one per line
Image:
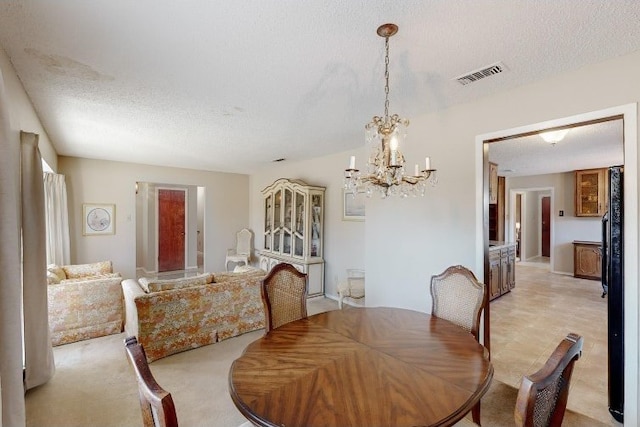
(554, 136)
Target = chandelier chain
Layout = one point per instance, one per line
(386, 80)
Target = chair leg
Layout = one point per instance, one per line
(341, 297)
(475, 413)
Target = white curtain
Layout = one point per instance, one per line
(11, 385)
(57, 219)
(38, 353)
(26, 356)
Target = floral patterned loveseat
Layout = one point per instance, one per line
(85, 301)
(174, 315)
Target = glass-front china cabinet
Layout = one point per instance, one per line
(293, 229)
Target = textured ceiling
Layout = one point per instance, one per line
(232, 85)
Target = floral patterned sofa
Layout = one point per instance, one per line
(85, 301)
(174, 315)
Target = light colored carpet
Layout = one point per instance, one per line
(94, 386)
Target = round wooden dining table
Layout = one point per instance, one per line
(361, 367)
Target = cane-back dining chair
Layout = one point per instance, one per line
(156, 403)
(457, 296)
(542, 398)
(284, 296)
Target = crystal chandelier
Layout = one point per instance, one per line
(385, 169)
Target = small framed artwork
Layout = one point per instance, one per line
(98, 219)
(353, 206)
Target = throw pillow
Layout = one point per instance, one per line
(52, 278)
(57, 270)
(83, 270)
(243, 268)
(157, 285)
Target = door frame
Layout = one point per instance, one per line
(157, 223)
(629, 113)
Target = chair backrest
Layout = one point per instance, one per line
(243, 242)
(542, 398)
(458, 297)
(284, 296)
(156, 404)
(355, 280)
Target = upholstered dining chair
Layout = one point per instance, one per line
(157, 405)
(242, 251)
(284, 296)
(457, 296)
(542, 397)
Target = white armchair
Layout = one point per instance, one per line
(353, 287)
(242, 251)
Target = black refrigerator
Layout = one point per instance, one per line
(613, 288)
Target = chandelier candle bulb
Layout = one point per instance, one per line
(427, 163)
(352, 162)
(416, 170)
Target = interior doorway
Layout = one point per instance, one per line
(545, 226)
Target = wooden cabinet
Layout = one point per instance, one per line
(294, 229)
(502, 269)
(587, 260)
(591, 192)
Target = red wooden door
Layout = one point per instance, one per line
(171, 230)
(546, 226)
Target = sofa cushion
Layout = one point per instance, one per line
(157, 285)
(84, 270)
(57, 271)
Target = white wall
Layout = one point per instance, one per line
(226, 208)
(22, 114)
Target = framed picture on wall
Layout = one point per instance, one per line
(353, 206)
(98, 219)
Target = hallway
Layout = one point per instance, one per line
(528, 323)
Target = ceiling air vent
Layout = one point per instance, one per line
(476, 75)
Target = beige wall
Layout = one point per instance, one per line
(566, 228)
(23, 115)
(226, 208)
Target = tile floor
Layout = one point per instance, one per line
(529, 322)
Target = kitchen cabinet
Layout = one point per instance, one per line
(502, 269)
(591, 192)
(587, 260)
(294, 230)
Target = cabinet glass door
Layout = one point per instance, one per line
(287, 227)
(298, 241)
(268, 221)
(277, 221)
(316, 226)
(589, 199)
